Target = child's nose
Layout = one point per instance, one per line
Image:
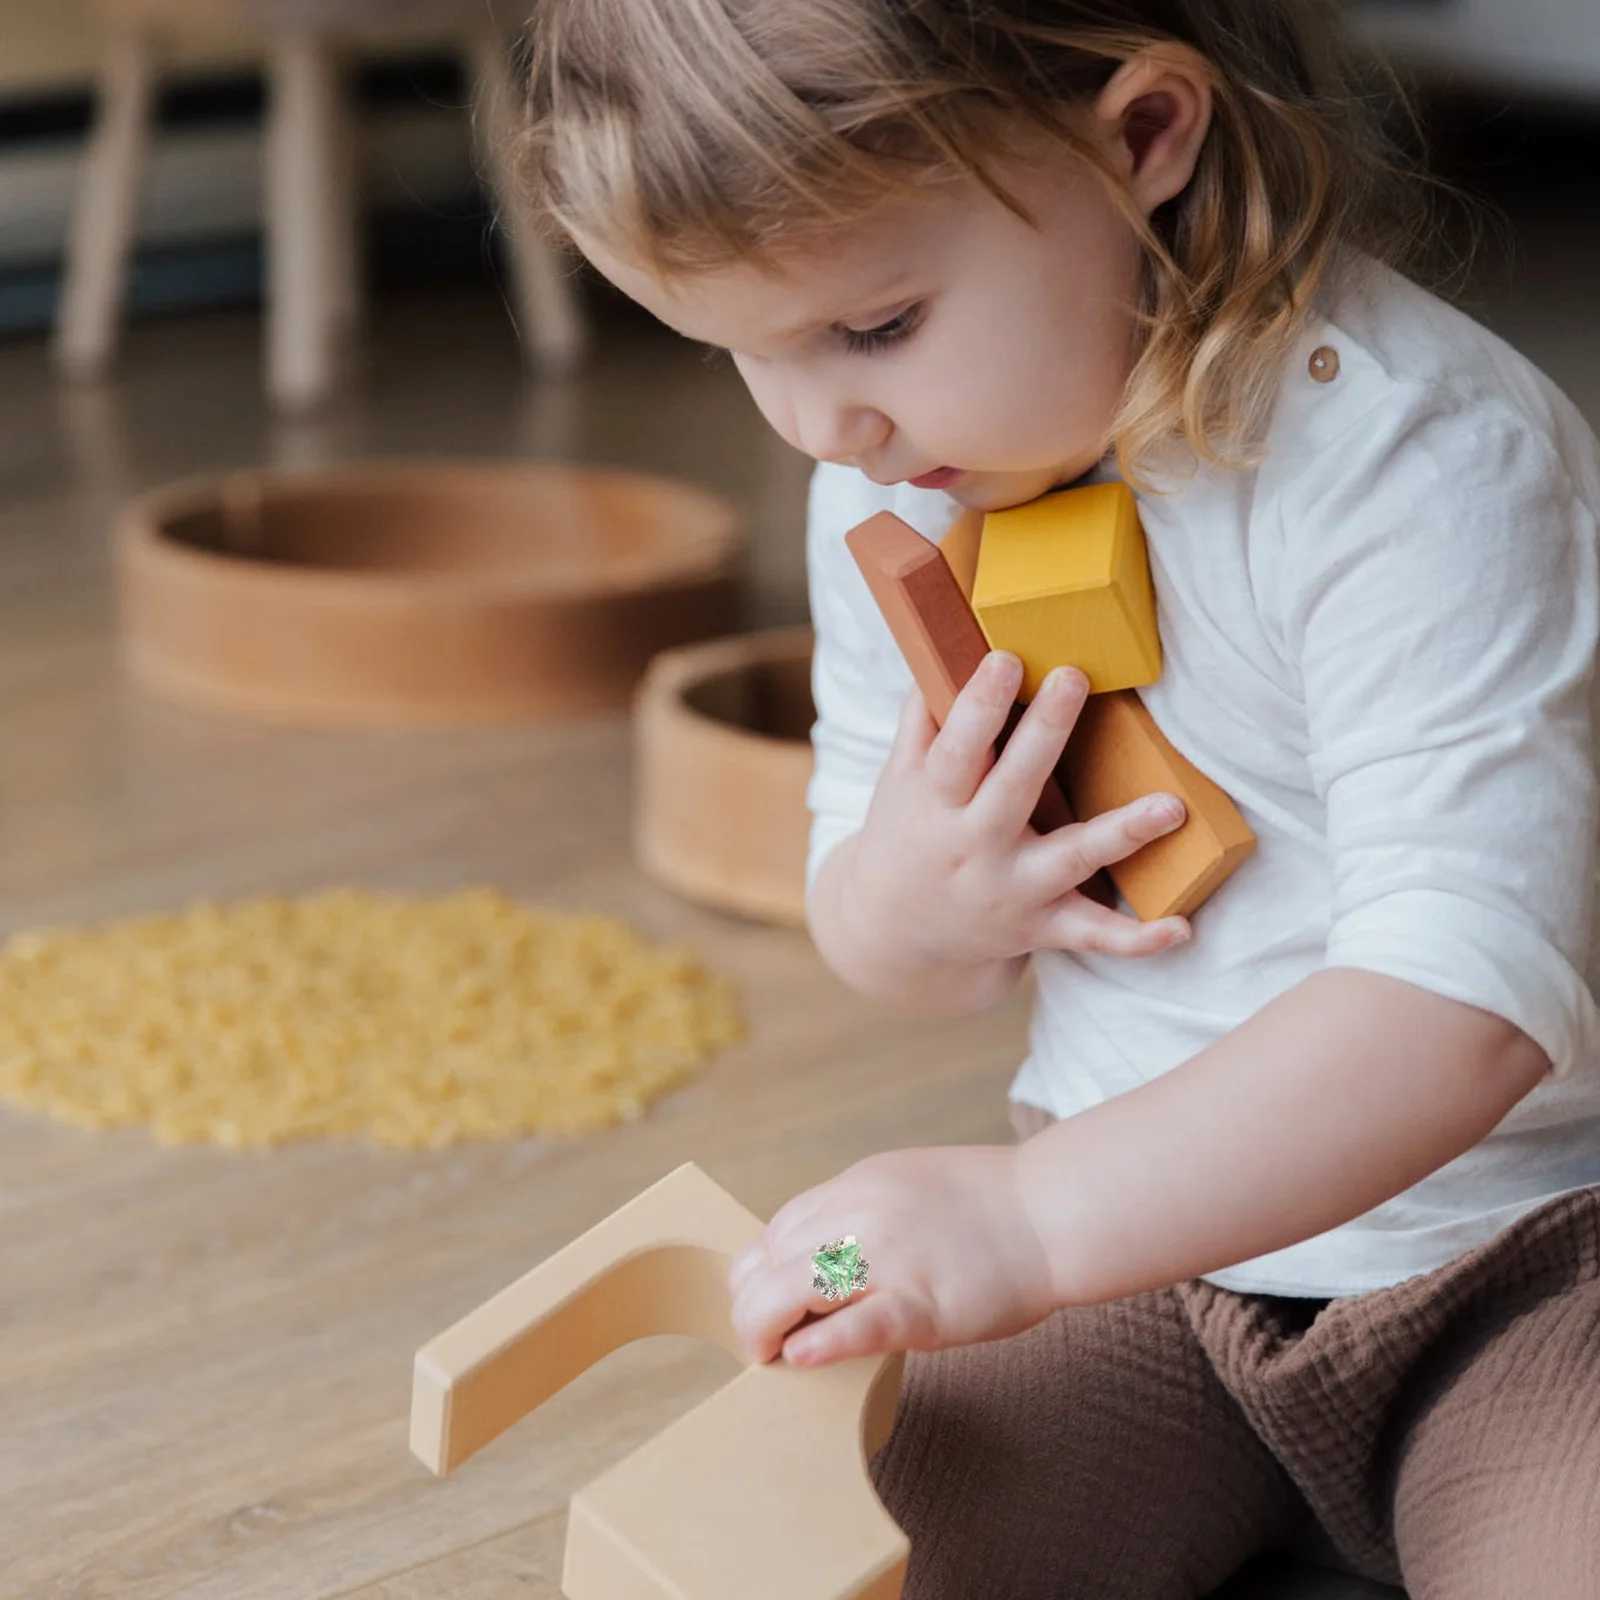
(843, 433)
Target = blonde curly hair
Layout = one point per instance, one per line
(687, 134)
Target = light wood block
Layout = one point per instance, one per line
(1065, 581)
(762, 1489)
(1116, 755)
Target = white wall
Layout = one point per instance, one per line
(1550, 46)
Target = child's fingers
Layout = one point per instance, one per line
(1011, 790)
(964, 750)
(1049, 867)
(914, 733)
(1077, 923)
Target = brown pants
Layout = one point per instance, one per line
(1443, 1433)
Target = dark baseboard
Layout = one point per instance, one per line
(404, 250)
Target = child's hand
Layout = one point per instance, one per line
(946, 862)
(952, 1258)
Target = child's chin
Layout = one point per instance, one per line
(995, 491)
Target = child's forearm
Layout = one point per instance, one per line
(1327, 1102)
(883, 964)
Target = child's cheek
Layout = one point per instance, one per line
(772, 401)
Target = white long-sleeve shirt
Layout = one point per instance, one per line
(1381, 643)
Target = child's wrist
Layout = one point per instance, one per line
(883, 961)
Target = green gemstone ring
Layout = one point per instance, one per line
(840, 1268)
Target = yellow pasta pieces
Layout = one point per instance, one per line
(1065, 581)
(407, 1021)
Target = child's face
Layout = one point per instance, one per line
(946, 340)
(1001, 351)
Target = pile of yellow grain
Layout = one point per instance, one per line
(406, 1020)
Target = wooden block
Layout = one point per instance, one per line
(761, 1489)
(932, 623)
(1065, 581)
(1116, 755)
(959, 547)
(923, 605)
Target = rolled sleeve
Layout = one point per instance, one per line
(858, 679)
(1458, 947)
(1442, 588)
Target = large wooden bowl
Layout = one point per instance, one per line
(723, 757)
(421, 592)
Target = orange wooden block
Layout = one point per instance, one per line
(932, 623)
(1116, 755)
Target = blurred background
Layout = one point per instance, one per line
(1512, 92)
(270, 1308)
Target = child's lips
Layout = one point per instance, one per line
(939, 478)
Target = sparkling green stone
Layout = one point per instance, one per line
(837, 1267)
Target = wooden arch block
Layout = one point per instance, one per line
(1065, 581)
(761, 1490)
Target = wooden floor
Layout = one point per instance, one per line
(205, 1357)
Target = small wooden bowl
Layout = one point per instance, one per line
(723, 757)
(420, 593)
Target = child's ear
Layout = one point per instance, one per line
(1153, 117)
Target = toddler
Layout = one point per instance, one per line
(1300, 1240)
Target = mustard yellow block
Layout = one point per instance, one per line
(1065, 581)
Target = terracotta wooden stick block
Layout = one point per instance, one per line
(762, 1489)
(932, 622)
(1115, 755)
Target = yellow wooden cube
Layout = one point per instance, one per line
(1065, 581)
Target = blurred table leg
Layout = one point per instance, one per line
(106, 206)
(303, 197)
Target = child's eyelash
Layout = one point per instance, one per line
(864, 341)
